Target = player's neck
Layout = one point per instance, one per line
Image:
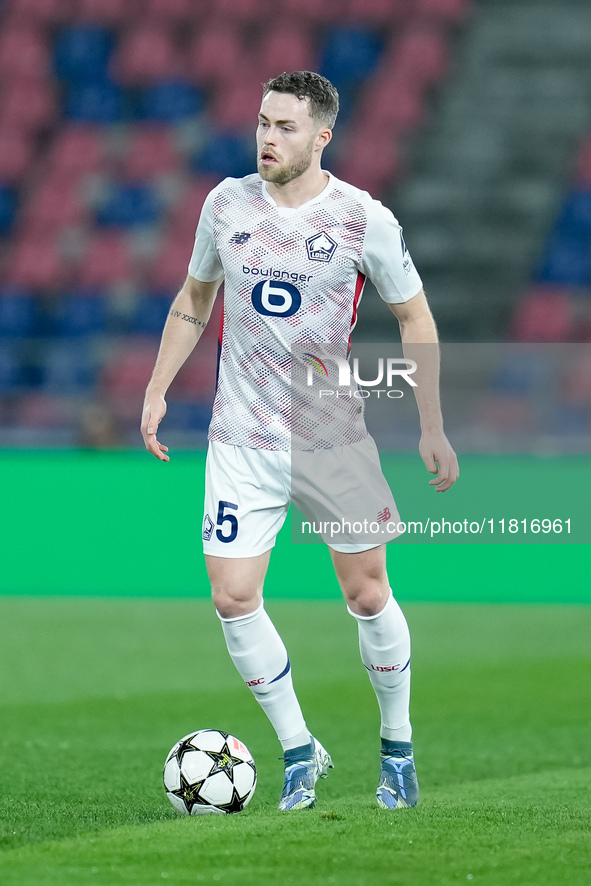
(299, 191)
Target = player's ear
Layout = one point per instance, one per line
(323, 137)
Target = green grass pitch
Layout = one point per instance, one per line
(94, 692)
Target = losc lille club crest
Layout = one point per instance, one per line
(320, 247)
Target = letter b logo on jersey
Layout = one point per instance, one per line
(276, 299)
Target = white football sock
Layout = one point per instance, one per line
(384, 643)
(261, 659)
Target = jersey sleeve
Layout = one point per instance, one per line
(385, 258)
(205, 264)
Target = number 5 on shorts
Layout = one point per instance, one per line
(226, 518)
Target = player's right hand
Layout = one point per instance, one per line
(153, 413)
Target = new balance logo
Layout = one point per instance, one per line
(384, 515)
(239, 238)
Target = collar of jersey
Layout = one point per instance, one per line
(288, 210)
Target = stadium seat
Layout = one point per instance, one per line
(168, 269)
(27, 105)
(151, 313)
(43, 411)
(441, 10)
(16, 154)
(35, 263)
(583, 170)
(247, 11)
(545, 315)
(129, 204)
(392, 105)
(421, 56)
(575, 217)
(23, 53)
(146, 55)
(170, 102)
(311, 11)
(374, 12)
(227, 154)
(8, 203)
(55, 205)
(17, 313)
(565, 262)
(151, 151)
(107, 262)
(37, 11)
(100, 102)
(82, 53)
(371, 162)
(215, 54)
(10, 367)
(128, 373)
(183, 218)
(105, 12)
(171, 11)
(68, 370)
(77, 150)
(81, 314)
(237, 104)
(350, 55)
(285, 47)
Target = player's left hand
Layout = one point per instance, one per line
(440, 459)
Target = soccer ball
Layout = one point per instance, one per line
(209, 771)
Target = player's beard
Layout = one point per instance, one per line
(282, 175)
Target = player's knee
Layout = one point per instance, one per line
(368, 599)
(232, 603)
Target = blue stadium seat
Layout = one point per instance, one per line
(575, 217)
(565, 261)
(225, 155)
(350, 55)
(68, 369)
(81, 314)
(130, 205)
(17, 313)
(100, 102)
(9, 368)
(8, 202)
(188, 416)
(151, 313)
(170, 102)
(82, 54)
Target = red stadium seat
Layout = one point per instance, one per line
(544, 315)
(237, 104)
(185, 215)
(312, 11)
(37, 11)
(16, 154)
(27, 105)
(371, 161)
(105, 12)
(23, 54)
(583, 171)
(152, 151)
(106, 263)
(247, 11)
(215, 54)
(171, 11)
(375, 12)
(55, 205)
(392, 105)
(77, 150)
(35, 263)
(146, 55)
(285, 47)
(169, 268)
(441, 10)
(420, 55)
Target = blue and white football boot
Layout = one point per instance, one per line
(398, 787)
(303, 767)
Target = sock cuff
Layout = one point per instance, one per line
(244, 619)
(371, 617)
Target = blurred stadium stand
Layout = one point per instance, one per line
(118, 116)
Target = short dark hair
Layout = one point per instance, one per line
(323, 97)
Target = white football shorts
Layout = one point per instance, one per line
(341, 491)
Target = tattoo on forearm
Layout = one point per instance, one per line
(186, 317)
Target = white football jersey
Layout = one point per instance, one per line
(292, 277)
